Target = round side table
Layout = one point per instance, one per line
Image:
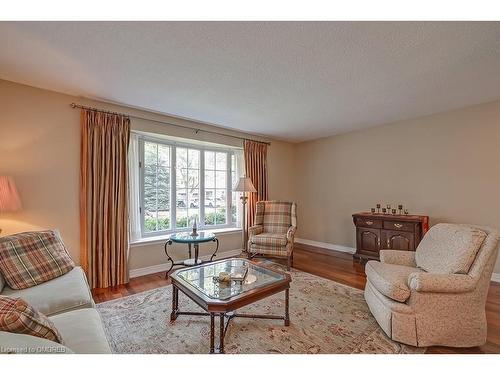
(191, 241)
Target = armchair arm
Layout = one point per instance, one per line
(290, 233)
(254, 230)
(431, 282)
(399, 257)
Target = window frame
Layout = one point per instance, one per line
(173, 186)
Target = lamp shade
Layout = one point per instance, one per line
(245, 185)
(9, 197)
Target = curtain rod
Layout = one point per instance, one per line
(196, 130)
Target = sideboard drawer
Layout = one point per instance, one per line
(399, 225)
(368, 223)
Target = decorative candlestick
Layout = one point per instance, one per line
(400, 208)
(388, 208)
(406, 211)
(394, 211)
(194, 233)
(384, 210)
(372, 210)
(378, 208)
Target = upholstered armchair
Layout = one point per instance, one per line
(273, 231)
(437, 294)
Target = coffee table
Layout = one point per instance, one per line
(222, 300)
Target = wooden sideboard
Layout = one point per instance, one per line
(375, 232)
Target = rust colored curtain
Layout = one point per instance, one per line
(103, 198)
(256, 169)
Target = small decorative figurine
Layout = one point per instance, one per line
(224, 277)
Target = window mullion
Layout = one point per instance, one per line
(229, 196)
(201, 199)
(173, 188)
(143, 182)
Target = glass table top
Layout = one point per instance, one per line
(202, 278)
(185, 237)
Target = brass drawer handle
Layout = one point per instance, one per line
(368, 222)
(398, 225)
(388, 243)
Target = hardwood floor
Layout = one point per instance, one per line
(333, 265)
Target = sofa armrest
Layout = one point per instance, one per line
(254, 230)
(399, 257)
(431, 282)
(290, 234)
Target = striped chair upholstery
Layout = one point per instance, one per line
(273, 231)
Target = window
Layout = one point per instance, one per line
(180, 183)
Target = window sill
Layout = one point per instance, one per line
(162, 239)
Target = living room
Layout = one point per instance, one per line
(250, 187)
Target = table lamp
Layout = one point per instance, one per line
(9, 197)
(244, 186)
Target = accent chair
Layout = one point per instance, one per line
(272, 234)
(437, 294)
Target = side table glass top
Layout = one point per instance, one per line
(186, 237)
(202, 278)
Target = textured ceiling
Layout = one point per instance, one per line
(287, 80)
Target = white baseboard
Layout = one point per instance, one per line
(165, 266)
(495, 277)
(326, 245)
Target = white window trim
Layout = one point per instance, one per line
(173, 201)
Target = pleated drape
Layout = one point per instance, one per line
(104, 198)
(256, 170)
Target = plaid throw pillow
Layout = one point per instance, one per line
(31, 258)
(16, 316)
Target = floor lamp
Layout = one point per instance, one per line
(244, 186)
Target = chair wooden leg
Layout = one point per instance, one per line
(290, 262)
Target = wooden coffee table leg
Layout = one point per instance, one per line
(221, 333)
(175, 303)
(212, 333)
(287, 307)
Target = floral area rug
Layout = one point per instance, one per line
(325, 317)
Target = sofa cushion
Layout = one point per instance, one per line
(449, 248)
(82, 331)
(17, 316)
(269, 239)
(391, 280)
(31, 258)
(16, 343)
(68, 292)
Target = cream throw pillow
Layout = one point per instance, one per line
(449, 248)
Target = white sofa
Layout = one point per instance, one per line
(67, 301)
